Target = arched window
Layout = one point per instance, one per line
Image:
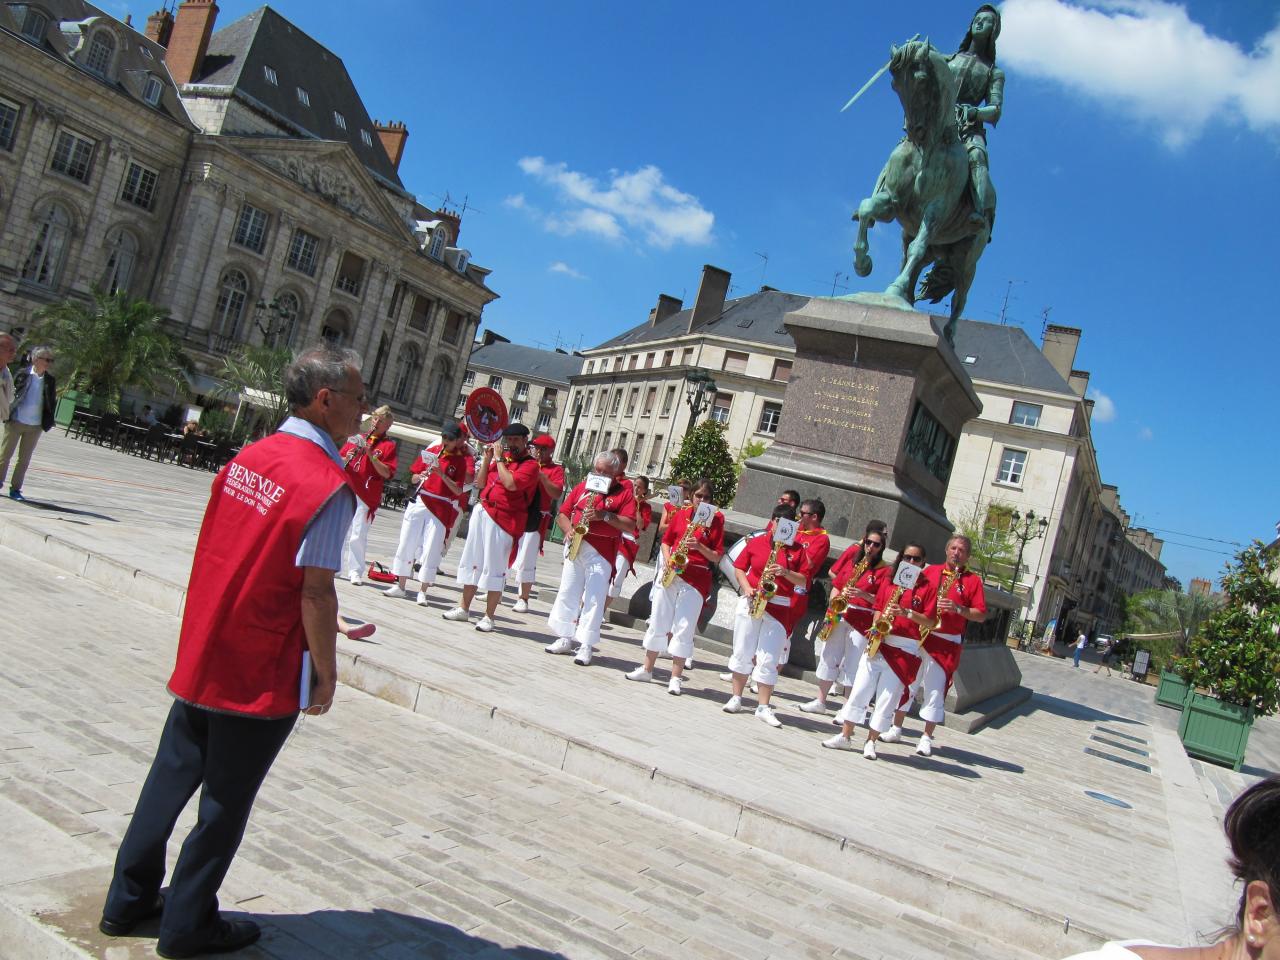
(441, 387)
(122, 255)
(439, 240)
(337, 328)
(408, 370)
(233, 293)
(288, 311)
(53, 233)
(101, 49)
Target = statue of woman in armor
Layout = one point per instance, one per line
(979, 100)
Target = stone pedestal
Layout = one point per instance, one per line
(873, 412)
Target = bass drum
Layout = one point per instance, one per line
(732, 554)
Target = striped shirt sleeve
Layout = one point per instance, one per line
(323, 540)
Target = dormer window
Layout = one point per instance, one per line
(151, 90)
(101, 48)
(270, 74)
(439, 239)
(304, 98)
(34, 24)
(146, 52)
(340, 120)
(462, 262)
(368, 140)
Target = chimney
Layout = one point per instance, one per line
(1078, 380)
(159, 26)
(393, 136)
(709, 303)
(667, 306)
(1059, 348)
(189, 39)
(128, 19)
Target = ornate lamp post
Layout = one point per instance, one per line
(1025, 529)
(699, 391)
(278, 319)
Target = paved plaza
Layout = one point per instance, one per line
(470, 795)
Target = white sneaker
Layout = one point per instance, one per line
(395, 593)
(422, 598)
(674, 686)
(562, 645)
(520, 606)
(688, 663)
(838, 742)
(925, 747)
(724, 676)
(640, 674)
(814, 706)
(485, 624)
(752, 686)
(892, 735)
(837, 690)
(583, 656)
(733, 705)
(457, 614)
(869, 749)
(356, 580)
(766, 714)
(842, 715)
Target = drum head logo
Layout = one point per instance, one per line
(485, 414)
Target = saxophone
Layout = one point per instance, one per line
(882, 624)
(680, 555)
(840, 602)
(949, 576)
(767, 588)
(580, 531)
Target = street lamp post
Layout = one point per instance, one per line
(699, 391)
(277, 316)
(1025, 529)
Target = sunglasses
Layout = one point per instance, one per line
(913, 558)
(878, 544)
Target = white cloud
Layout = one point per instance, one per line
(1148, 58)
(640, 202)
(1104, 409)
(561, 267)
(516, 202)
(1145, 433)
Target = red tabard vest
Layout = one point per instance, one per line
(630, 545)
(859, 614)
(240, 648)
(435, 496)
(601, 534)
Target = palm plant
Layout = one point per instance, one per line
(260, 369)
(108, 344)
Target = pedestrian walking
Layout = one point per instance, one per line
(30, 415)
(1080, 642)
(1107, 653)
(261, 595)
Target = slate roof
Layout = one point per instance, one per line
(1002, 354)
(236, 57)
(756, 318)
(515, 358)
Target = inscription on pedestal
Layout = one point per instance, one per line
(844, 410)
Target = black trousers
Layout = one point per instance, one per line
(228, 757)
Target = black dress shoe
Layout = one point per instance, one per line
(228, 935)
(122, 928)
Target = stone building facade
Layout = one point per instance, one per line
(533, 383)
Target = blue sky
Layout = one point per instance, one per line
(607, 151)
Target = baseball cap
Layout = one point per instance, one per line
(544, 440)
(452, 431)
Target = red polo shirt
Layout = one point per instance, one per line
(437, 497)
(967, 591)
(859, 613)
(602, 535)
(751, 561)
(697, 572)
(364, 479)
(510, 508)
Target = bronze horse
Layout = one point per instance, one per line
(925, 187)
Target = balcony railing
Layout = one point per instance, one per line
(349, 285)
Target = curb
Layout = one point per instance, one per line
(967, 906)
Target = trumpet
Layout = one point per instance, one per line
(840, 602)
(767, 588)
(680, 555)
(949, 576)
(580, 531)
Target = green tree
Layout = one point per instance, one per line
(704, 453)
(260, 369)
(995, 550)
(1236, 654)
(750, 450)
(108, 344)
(1178, 616)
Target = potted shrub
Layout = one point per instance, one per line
(1233, 665)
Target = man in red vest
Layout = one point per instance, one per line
(261, 595)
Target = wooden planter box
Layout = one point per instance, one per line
(1215, 731)
(1172, 691)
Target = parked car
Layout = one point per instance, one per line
(1101, 640)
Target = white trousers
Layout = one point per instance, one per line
(875, 681)
(762, 639)
(675, 611)
(584, 585)
(526, 565)
(486, 553)
(621, 567)
(933, 680)
(421, 536)
(841, 655)
(357, 545)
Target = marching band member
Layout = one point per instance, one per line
(846, 643)
(508, 482)
(440, 479)
(580, 601)
(369, 459)
(765, 638)
(963, 601)
(883, 677)
(630, 545)
(550, 486)
(817, 547)
(676, 608)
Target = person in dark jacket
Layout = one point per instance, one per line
(34, 397)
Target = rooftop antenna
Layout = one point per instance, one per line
(1004, 307)
(764, 267)
(835, 282)
(1044, 326)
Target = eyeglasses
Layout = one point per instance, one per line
(913, 558)
(878, 544)
(699, 496)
